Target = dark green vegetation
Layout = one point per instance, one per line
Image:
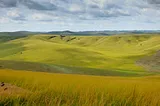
(117, 55)
(5, 38)
(18, 33)
(39, 67)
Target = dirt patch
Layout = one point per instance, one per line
(8, 89)
(151, 63)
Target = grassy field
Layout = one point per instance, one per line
(116, 54)
(61, 90)
(54, 70)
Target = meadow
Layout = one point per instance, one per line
(47, 89)
(54, 70)
(93, 55)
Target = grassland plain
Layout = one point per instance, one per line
(113, 57)
(48, 89)
(105, 55)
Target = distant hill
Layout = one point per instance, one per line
(107, 32)
(7, 36)
(62, 32)
(18, 33)
(82, 33)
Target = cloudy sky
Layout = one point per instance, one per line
(78, 15)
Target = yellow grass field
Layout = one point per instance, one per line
(46, 89)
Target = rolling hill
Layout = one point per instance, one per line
(95, 55)
(118, 70)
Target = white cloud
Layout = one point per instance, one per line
(76, 8)
(43, 17)
(4, 20)
(13, 13)
(39, 16)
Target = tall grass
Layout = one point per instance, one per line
(44, 89)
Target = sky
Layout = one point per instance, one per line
(79, 15)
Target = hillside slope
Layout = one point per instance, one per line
(151, 63)
(117, 53)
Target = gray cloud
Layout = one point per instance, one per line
(38, 6)
(8, 3)
(19, 18)
(154, 1)
(47, 10)
(28, 3)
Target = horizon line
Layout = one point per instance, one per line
(82, 30)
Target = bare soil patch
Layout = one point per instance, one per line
(8, 89)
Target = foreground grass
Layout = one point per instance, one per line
(75, 90)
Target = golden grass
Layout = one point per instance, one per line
(80, 90)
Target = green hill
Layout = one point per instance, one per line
(104, 55)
